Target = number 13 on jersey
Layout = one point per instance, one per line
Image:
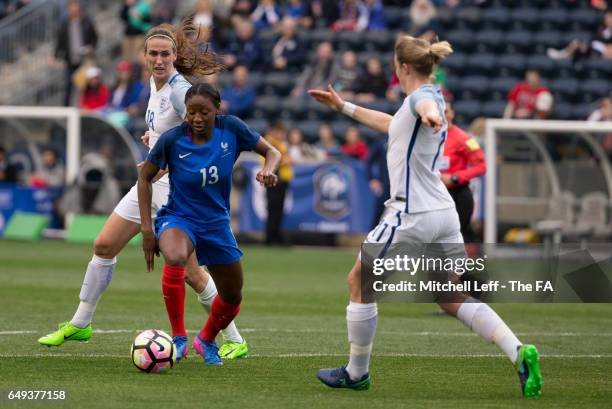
(209, 175)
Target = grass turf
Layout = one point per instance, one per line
(293, 318)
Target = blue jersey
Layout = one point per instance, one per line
(201, 175)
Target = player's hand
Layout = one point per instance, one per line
(376, 187)
(446, 179)
(329, 98)
(145, 139)
(266, 178)
(434, 120)
(150, 248)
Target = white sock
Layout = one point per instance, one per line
(97, 278)
(206, 298)
(361, 322)
(481, 319)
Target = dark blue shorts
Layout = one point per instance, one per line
(212, 246)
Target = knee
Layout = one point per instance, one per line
(176, 257)
(232, 297)
(103, 248)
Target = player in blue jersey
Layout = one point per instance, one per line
(200, 156)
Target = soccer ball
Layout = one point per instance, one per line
(153, 351)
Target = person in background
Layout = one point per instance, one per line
(371, 16)
(603, 112)
(318, 73)
(349, 16)
(266, 14)
(348, 73)
(127, 89)
(288, 52)
(95, 95)
(522, 97)
(354, 146)
(301, 11)
(462, 161)
(243, 47)
(423, 20)
(238, 98)
(136, 15)
(373, 83)
(277, 137)
(8, 172)
(52, 172)
(378, 177)
(76, 40)
(328, 146)
(300, 151)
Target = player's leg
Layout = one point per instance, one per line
(176, 247)
(234, 346)
(225, 307)
(361, 320)
(115, 234)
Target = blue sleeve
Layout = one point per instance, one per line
(177, 97)
(427, 93)
(160, 154)
(245, 136)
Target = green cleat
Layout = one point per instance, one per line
(66, 332)
(529, 371)
(234, 350)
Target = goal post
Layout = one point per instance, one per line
(537, 133)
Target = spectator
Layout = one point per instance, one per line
(244, 47)
(349, 16)
(8, 172)
(603, 40)
(378, 176)
(354, 147)
(206, 19)
(300, 151)
(423, 22)
(136, 15)
(603, 113)
(300, 11)
(327, 146)
(321, 72)
(277, 136)
(239, 97)
(371, 16)
(522, 98)
(95, 95)
(241, 11)
(76, 41)
(289, 52)
(126, 91)
(348, 73)
(579, 49)
(325, 12)
(163, 11)
(373, 82)
(394, 91)
(266, 14)
(52, 171)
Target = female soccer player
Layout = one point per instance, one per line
(200, 156)
(420, 210)
(169, 56)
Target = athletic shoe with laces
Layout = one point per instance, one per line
(529, 371)
(207, 350)
(339, 378)
(234, 350)
(66, 332)
(180, 342)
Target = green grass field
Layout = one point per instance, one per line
(293, 318)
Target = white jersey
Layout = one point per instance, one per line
(413, 157)
(166, 108)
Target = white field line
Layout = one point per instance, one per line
(325, 331)
(319, 354)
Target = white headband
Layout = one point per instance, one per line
(162, 36)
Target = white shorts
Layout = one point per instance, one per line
(128, 206)
(437, 226)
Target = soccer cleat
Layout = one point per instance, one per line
(234, 350)
(66, 332)
(207, 350)
(180, 342)
(529, 371)
(339, 378)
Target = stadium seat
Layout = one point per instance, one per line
(562, 110)
(265, 107)
(511, 65)
(339, 128)
(466, 111)
(455, 64)
(500, 87)
(524, 18)
(481, 64)
(544, 65)
(259, 125)
(368, 134)
(379, 41)
(310, 129)
(598, 68)
(493, 109)
(472, 87)
(582, 35)
(565, 89)
(26, 226)
(462, 40)
(466, 18)
(548, 39)
(584, 18)
(488, 41)
(319, 35)
(393, 17)
(582, 111)
(495, 18)
(277, 83)
(349, 40)
(518, 42)
(554, 19)
(594, 89)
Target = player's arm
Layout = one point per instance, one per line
(148, 171)
(371, 118)
(476, 160)
(267, 175)
(430, 114)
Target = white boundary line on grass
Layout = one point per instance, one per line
(316, 331)
(322, 354)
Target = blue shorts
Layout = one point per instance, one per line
(212, 246)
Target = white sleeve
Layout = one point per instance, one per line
(177, 97)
